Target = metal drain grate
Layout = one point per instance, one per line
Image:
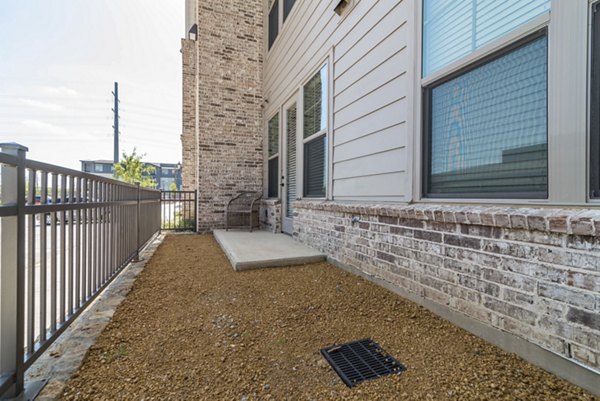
(362, 360)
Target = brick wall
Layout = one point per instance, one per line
(532, 272)
(230, 37)
(189, 146)
(270, 215)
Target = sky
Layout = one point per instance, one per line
(59, 60)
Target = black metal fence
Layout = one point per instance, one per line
(64, 236)
(178, 210)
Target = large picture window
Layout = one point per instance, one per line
(486, 127)
(595, 105)
(485, 120)
(273, 157)
(315, 135)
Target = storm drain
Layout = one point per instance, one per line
(362, 360)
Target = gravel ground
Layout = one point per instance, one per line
(193, 329)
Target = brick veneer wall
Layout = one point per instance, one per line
(189, 145)
(531, 272)
(230, 37)
(270, 215)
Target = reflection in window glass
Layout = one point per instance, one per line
(488, 127)
(315, 104)
(455, 28)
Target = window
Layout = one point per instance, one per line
(486, 125)
(287, 8)
(99, 168)
(273, 157)
(273, 22)
(315, 135)
(595, 105)
(453, 29)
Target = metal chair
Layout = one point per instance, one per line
(243, 211)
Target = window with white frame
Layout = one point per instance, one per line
(273, 21)
(273, 156)
(315, 134)
(276, 9)
(595, 103)
(485, 131)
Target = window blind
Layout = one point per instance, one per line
(453, 29)
(314, 167)
(488, 127)
(291, 160)
(315, 104)
(273, 175)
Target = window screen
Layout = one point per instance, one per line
(595, 106)
(454, 28)
(273, 22)
(314, 167)
(487, 127)
(315, 104)
(287, 8)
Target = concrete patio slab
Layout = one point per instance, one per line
(253, 250)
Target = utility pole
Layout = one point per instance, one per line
(116, 122)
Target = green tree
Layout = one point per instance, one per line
(173, 187)
(132, 169)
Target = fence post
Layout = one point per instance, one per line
(12, 270)
(137, 250)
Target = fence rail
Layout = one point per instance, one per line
(64, 235)
(178, 210)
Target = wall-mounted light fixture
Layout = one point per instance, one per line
(342, 5)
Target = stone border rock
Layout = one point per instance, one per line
(65, 356)
(577, 221)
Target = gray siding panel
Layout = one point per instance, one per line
(372, 57)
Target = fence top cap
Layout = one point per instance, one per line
(13, 146)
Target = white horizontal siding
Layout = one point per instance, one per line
(388, 138)
(389, 115)
(391, 160)
(373, 53)
(372, 186)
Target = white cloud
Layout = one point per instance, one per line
(42, 126)
(40, 104)
(61, 91)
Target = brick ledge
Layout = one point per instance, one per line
(576, 221)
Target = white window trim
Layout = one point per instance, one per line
(568, 181)
(327, 62)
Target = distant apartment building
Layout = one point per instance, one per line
(165, 174)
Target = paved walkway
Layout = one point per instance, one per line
(252, 250)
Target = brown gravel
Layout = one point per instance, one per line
(193, 329)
